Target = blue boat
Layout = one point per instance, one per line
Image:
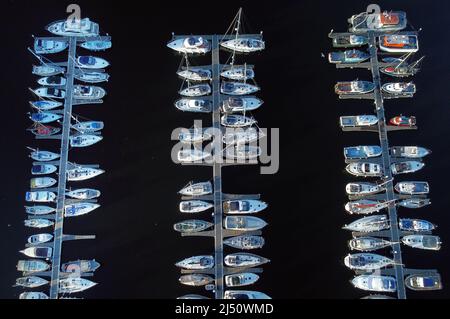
(45, 105)
(349, 56)
(360, 152)
(44, 117)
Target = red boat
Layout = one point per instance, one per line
(42, 130)
(403, 120)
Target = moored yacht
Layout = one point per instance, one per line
(409, 151)
(414, 203)
(44, 117)
(399, 43)
(406, 167)
(32, 265)
(399, 88)
(244, 44)
(192, 226)
(44, 105)
(80, 266)
(249, 206)
(194, 135)
(44, 130)
(243, 152)
(43, 156)
(241, 279)
(412, 188)
(52, 81)
(369, 224)
(192, 296)
(31, 282)
(84, 193)
(192, 44)
(96, 45)
(38, 252)
(424, 282)
(83, 173)
(354, 87)
(40, 197)
(192, 155)
(244, 294)
(91, 76)
(364, 169)
(43, 169)
(349, 56)
(86, 92)
(48, 92)
(38, 223)
(375, 283)
(367, 261)
(238, 88)
(244, 260)
(238, 73)
(236, 121)
(368, 243)
(196, 280)
(244, 223)
(197, 189)
(39, 239)
(195, 74)
(42, 182)
(194, 105)
(47, 70)
(39, 210)
(363, 188)
(240, 136)
(427, 242)
(196, 90)
(240, 104)
(91, 62)
(44, 46)
(349, 41)
(416, 225)
(245, 242)
(358, 121)
(84, 140)
(362, 152)
(74, 28)
(194, 206)
(365, 207)
(197, 262)
(74, 284)
(33, 295)
(79, 209)
(381, 21)
(403, 120)
(89, 126)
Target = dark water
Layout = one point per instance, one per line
(135, 241)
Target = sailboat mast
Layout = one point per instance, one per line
(238, 26)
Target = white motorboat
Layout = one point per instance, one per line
(195, 74)
(414, 203)
(197, 189)
(399, 88)
(43, 156)
(375, 283)
(53, 80)
(40, 197)
(427, 242)
(192, 155)
(43, 169)
(40, 239)
(38, 223)
(244, 223)
(379, 21)
(244, 45)
(238, 88)
(368, 243)
(239, 136)
(194, 135)
(243, 206)
(240, 104)
(196, 280)
(192, 44)
(84, 193)
(91, 62)
(244, 260)
(365, 206)
(362, 152)
(364, 169)
(194, 105)
(38, 252)
(241, 279)
(369, 224)
(358, 121)
(51, 93)
(236, 121)
(415, 225)
(84, 140)
(79, 209)
(33, 295)
(194, 206)
(86, 92)
(354, 87)
(409, 151)
(32, 266)
(83, 173)
(412, 188)
(424, 282)
(46, 46)
(39, 210)
(91, 76)
(406, 167)
(31, 282)
(243, 152)
(42, 182)
(197, 263)
(244, 294)
(196, 90)
(74, 284)
(238, 73)
(363, 188)
(74, 28)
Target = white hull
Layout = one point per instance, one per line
(91, 62)
(79, 209)
(84, 140)
(81, 174)
(43, 156)
(196, 90)
(92, 76)
(80, 28)
(39, 210)
(190, 45)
